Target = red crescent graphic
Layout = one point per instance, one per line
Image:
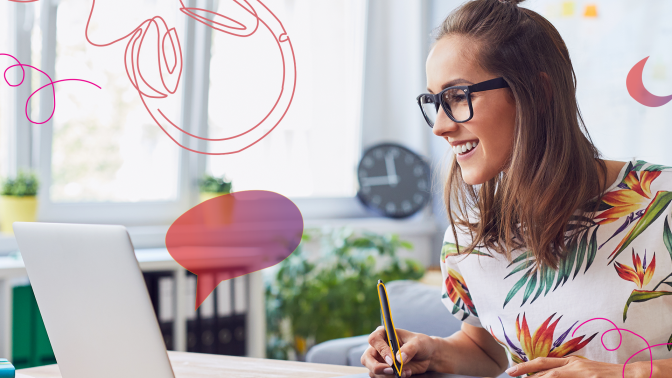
(639, 92)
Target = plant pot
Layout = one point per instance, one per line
(16, 209)
(223, 212)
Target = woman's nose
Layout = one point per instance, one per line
(444, 124)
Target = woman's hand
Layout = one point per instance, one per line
(576, 367)
(416, 351)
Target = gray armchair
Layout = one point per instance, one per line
(415, 307)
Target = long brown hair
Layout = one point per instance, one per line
(553, 168)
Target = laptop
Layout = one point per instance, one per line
(93, 300)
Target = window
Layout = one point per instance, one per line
(5, 91)
(314, 150)
(603, 51)
(106, 147)
(103, 159)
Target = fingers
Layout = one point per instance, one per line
(372, 361)
(378, 340)
(537, 365)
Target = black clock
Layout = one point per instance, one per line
(393, 180)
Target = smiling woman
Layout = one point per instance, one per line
(529, 195)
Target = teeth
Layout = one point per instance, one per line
(464, 147)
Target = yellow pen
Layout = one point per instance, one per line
(392, 339)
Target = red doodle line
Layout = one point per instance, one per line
(23, 1)
(620, 340)
(51, 83)
(135, 61)
(134, 64)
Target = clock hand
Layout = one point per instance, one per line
(379, 180)
(391, 171)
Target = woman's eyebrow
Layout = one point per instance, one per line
(451, 84)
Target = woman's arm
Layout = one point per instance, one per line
(471, 351)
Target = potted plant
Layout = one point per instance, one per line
(212, 187)
(18, 200)
(319, 296)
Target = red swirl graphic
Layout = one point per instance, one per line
(620, 340)
(51, 84)
(168, 45)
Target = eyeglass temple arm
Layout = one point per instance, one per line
(488, 85)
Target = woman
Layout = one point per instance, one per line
(550, 247)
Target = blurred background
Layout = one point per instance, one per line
(360, 65)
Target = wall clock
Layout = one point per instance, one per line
(393, 180)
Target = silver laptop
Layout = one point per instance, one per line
(93, 299)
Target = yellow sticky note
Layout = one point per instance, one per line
(567, 8)
(591, 11)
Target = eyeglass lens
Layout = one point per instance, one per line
(456, 101)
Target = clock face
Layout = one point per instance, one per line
(393, 180)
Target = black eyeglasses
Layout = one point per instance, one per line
(455, 101)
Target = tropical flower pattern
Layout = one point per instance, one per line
(636, 190)
(634, 214)
(540, 343)
(640, 274)
(457, 291)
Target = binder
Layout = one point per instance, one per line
(219, 324)
(30, 343)
(160, 286)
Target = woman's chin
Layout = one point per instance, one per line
(473, 178)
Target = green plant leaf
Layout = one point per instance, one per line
(570, 263)
(550, 276)
(656, 167)
(667, 237)
(592, 250)
(563, 267)
(669, 343)
(581, 253)
(522, 257)
(542, 283)
(517, 287)
(523, 265)
(450, 249)
(531, 285)
(642, 296)
(652, 212)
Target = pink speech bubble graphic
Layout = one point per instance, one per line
(638, 91)
(169, 65)
(239, 233)
(51, 83)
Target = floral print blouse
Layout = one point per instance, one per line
(609, 299)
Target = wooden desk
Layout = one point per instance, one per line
(196, 365)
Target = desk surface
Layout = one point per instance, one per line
(196, 365)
